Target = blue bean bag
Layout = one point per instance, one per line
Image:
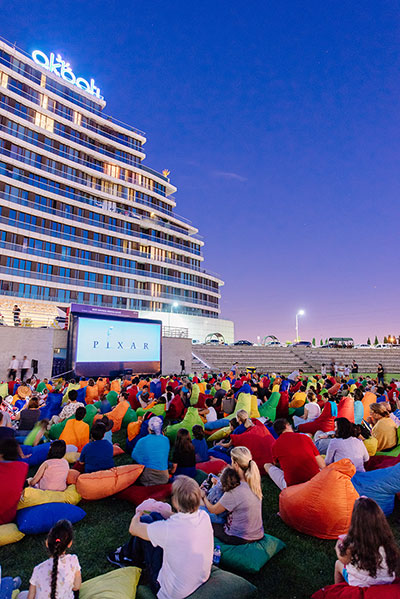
(284, 385)
(41, 518)
(81, 395)
(37, 454)
(52, 407)
(380, 485)
(220, 453)
(250, 557)
(213, 426)
(19, 404)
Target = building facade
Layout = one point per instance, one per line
(82, 219)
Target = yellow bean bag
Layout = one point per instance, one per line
(254, 413)
(372, 445)
(118, 584)
(243, 403)
(104, 483)
(225, 385)
(220, 434)
(72, 456)
(32, 496)
(9, 533)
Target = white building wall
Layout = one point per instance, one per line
(199, 326)
(36, 344)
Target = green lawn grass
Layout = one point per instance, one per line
(295, 573)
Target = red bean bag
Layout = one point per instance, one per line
(136, 494)
(334, 389)
(12, 479)
(213, 466)
(259, 441)
(321, 507)
(282, 409)
(344, 591)
(376, 462)
(346, 408)
(325, 422)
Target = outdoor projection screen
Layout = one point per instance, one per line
(112, 342)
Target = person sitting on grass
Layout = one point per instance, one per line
(311, 410)
(368, 555)
(60, 575)
(76, 432)
(383, 427)
(152, 452)
(200, 444)
(98, 453)
(346, 444)
(52, 474)
(162, 547)
(184, 456)
(243, 503)
(298, 458)
(69, 409)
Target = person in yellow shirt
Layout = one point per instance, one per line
(299, 398)
(384, 428)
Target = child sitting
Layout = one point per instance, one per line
(59, 576)
(365, 559)
(76, 432)
(98, 454)
(200, 444)
(52, 474)
(108, 424)
(215, 487)
(184, 457)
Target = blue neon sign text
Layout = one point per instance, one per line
(55, 64)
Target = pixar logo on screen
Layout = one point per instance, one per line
(118, 345)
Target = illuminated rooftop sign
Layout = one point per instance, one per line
(55, 64)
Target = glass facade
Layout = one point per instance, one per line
(81, 218)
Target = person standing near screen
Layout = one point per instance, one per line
(25, 365)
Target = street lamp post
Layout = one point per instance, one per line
(299, 313)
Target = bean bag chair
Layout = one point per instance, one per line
(325, 422)
(372, 445)
(157, 409)
(112, 398)
(346, 408)
(367, 400)
(76, 432)
(104, 483)
(117, 450)
(192, 417)
(136, 494)
(130, 416)
(32, 496)
(115, 385)
(176, 409)
(92, 394)
(282, 409)
(116, 415)
(321, 507)
(225, 385)
(41, 518)
(250, 557)
(268, 409)
(200, 476)
(380, 485)
(81, 395)
(377, 462)
(9, 533)
(243, 403)
(254, 412)
(133, 429)
(220, 434)
(52, 407)
(155, 388)
(220, 454)
(344, 591)
(117, 584)
(259, 441)
(12, 479)
(72, 456)
(216, 424)
(221, 585)
(73, 476)
(213, 466)
(37, 455)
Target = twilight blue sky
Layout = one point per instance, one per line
(279, 121)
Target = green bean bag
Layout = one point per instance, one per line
(268, 409)
(130, 416)
(112, 398)
(200, 476)
(221, 584)
(192, 417)
(117, 584)
(243, 403)
(158, 409)
(395, 452)
(194, 398)
(251, 557)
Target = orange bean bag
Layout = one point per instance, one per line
(133, 429)
(115, 385)
(83, 384)
(321, 507)
(75, 432)
(346, 408)
(92, 394)
(72, 476)
(367, 400)
(104, 483)
(101, 383)
(116, 415)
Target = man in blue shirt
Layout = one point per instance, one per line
(98, 453)
(152, 452)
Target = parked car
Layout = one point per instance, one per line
(274, 344)
(363, 346)
(243, 342)
(383, 346)
(301, 344)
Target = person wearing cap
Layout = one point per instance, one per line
(152, 452)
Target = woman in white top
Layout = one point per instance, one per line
(345, 444)
(311, 410)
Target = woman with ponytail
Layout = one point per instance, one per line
(244, 523)
(59, 576)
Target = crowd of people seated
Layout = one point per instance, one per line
(289, 428)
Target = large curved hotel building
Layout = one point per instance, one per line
(83, 220)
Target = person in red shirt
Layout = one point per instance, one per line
(298, 458)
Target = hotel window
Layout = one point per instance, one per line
(77, 118)
(3, 79)
(112, 170)
(45, 122)
(43, 81)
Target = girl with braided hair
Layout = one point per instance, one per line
(59, 576)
